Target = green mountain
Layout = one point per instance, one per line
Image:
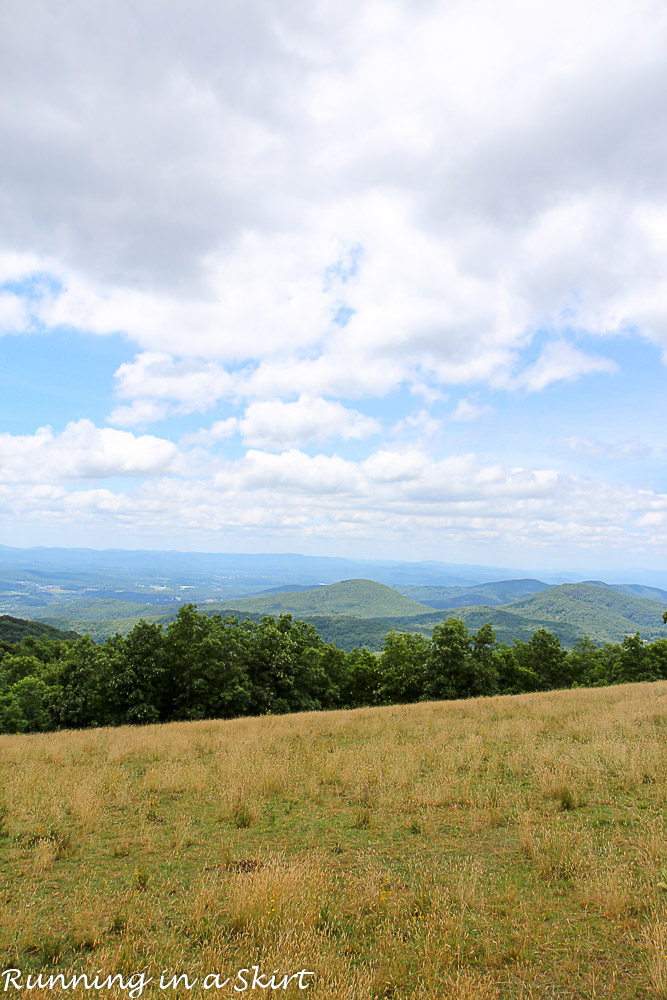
(638, 590)
(15, 629)
(603, 613)
(354, 598)
(361, 612)
(487, 594)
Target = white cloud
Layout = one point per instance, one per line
(274, 424)
(421, 424)
(461, 500)
(561, 361)
(192, 385)
(82, 451)
(395, 466)
(138, 414)
(468, 409)
(285, 209)
(209, 199)
(14, 317)
(218, 431)
(291, 471)
(593, 447)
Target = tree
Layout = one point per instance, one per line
(514, 677)
(80, 702)
(286, 666)
(402, 668)
(362, 678)
(485, 658)
(635, 662)
(453, 671)
(584, 662)
(34, 701)
(544, 657)
(133, 682)
(205, 664)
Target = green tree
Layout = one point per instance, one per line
(205, 662)
(543, 656)
(16, 665)
(11, 716)
(402, 668)
(134, 676)
(362, 678)
(513, 677)
(286, 666)
(635, 662)
(485, 659)
(453, 671)
(80, 702)
(584, 662)
(35, 704)
(658, 654)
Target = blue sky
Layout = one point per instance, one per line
(385, 280)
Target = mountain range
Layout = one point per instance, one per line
(103, 592)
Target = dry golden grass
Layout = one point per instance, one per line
(478, 850)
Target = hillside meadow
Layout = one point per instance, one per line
(507, 847)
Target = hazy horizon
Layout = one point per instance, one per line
(630, 574)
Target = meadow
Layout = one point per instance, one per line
(503, 847)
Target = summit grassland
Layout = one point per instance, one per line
(508, 847)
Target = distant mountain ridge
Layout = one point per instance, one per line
(487, 594)
(601, 612)
(354, 598)
(105, 592)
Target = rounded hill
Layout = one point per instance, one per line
(356, 598)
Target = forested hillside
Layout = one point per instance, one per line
(603, 613)
(356, 598)
(361, 612)
(16, 629)
(488, 594)
(205, 666)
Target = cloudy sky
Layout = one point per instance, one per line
(363, 278)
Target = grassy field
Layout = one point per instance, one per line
(495, 848)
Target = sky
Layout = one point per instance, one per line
(340, 277)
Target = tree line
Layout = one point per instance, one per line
(204, 666)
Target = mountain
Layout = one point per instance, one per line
(638, 590)
(16, 629)
(289, 588)
(354, 598)
(601, 612)
(487, 594)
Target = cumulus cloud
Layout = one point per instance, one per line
(192, 385)
(461, 498)
(468, 409)
(291, 471)
(227, 202)
(593, 447)
(275, 424)
(13, 313)
(287, 208)
(562, 362)
(221, 430)
(82, 451)
(139, 413)
(421, 424)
